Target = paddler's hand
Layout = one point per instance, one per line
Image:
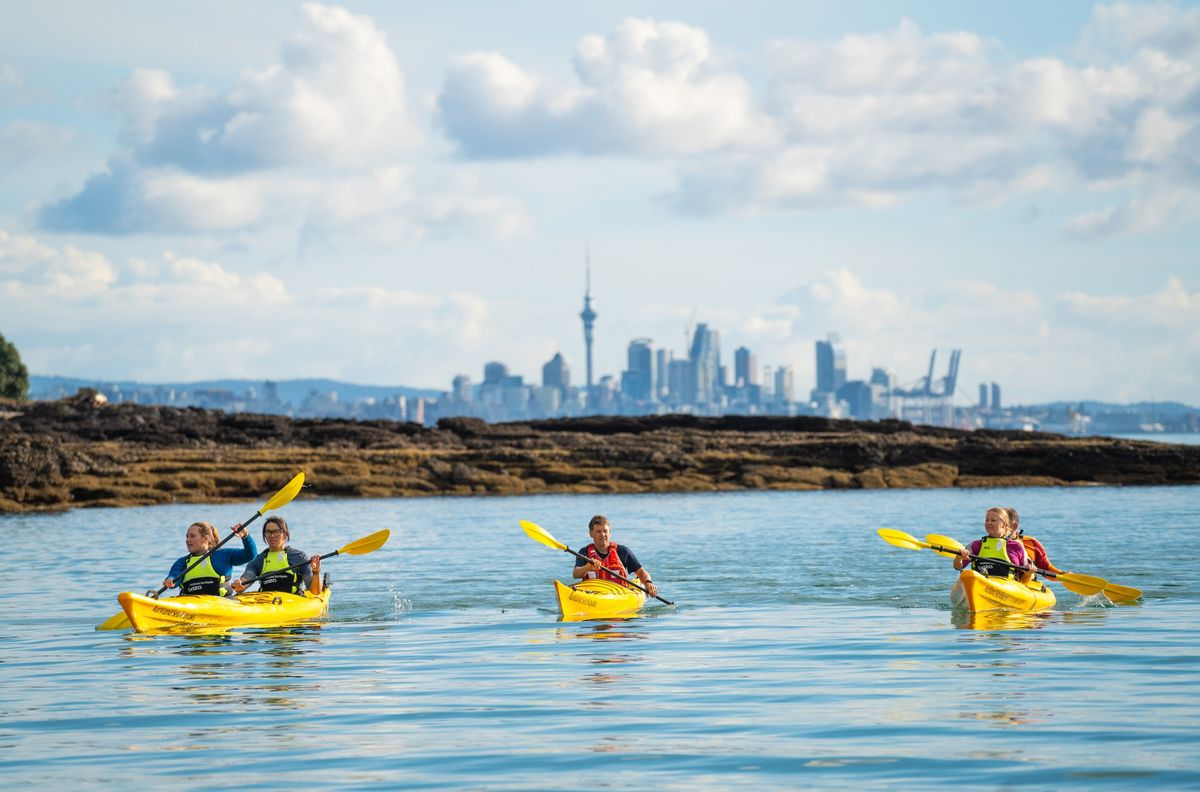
(963, 559)
(238, 586)
(651, 589)
(315, 563)
(168, 583)
(240, 531)
(593, 566)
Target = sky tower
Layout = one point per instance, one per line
(589, 317)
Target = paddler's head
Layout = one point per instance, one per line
(275, 533)
(995, 522)
(1014, 523)
(200, 537)
(599, 529)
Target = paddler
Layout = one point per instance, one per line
(996, 546)
(603, 552)
(271, 567)
(1033, 548)
(210, 575)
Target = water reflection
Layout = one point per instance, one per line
(997, 621)
(601, 631)
(243, 670)
(1000, 620)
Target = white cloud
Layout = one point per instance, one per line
(10, 75)
(1070, 346)
(313, 142)
(79, 314)
(865, 120)
(21, 141)
(648, 88)
(337, 99)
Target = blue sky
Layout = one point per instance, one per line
(384, 193)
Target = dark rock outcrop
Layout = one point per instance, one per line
(81, 452)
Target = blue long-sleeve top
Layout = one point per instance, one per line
(223, 560)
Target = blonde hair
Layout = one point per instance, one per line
(208, 531)
(1003, 512)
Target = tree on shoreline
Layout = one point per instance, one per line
(14, 377)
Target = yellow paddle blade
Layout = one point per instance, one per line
(368, 544)
(900, 539)
(539, 534)
(119, 621)
(945, 545)
(285, 495)
(1083, 585)
(1122, 595)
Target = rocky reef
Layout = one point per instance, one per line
(79, 452)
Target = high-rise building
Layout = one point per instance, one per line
(681, 383)
(706, 361)
(494, 373)
(637, 382)
(995, 396)
(785, 384)
(588, 315)
(831, 364)
(662, 364)
(557, 374)
(460, 388)
(983, 395)
(745, 368)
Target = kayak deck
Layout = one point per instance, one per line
(976, 592)
(597, 599)
(254, 609)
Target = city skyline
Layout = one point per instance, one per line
(381, 193)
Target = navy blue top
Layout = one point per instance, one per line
(624, 554)
(223, 560)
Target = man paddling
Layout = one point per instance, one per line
(603, 552)
(1033, 548)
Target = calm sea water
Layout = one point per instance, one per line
(803, 652)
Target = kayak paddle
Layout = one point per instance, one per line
(1083, 585)
(368, 544)
(539, 534)
(120, 621)
(1121, 595)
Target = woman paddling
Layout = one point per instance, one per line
(271, 567)
(208, 576)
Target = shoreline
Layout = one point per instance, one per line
(75, 453)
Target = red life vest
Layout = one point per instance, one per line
(611, 561)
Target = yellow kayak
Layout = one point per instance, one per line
(597, 599)
(976, 592)
(254, 609)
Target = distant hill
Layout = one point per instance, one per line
(292, 391)
(1094, 407)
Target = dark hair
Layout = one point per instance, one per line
(282, 523)
(599, 519)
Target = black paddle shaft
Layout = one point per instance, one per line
(616, 574)
(294, 567)
(200, 560)
(1043, 572)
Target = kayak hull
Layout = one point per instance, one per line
(976, 592)
(254, 609)
(597, 599)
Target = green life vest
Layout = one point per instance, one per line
(990, 551)
(202, 579)
(275, 573)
